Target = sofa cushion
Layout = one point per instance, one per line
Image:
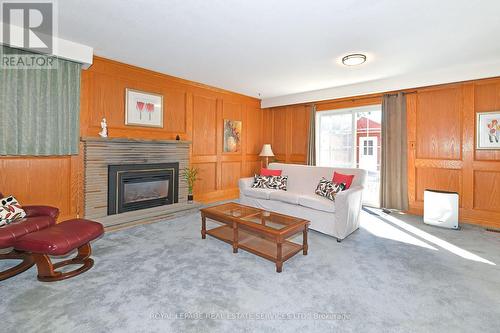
(32, 211)
(269, 172)
(270, 182)
(317, 202)
(339, 178)
(287, 197)
(260, 193)
(11, 232)
(328, 189)
(304, 178)
(61, 238)
(10, 210)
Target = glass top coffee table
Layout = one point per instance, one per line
(266, 234)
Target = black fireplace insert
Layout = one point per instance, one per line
(138, 186)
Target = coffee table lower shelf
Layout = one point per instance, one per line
(257, 245)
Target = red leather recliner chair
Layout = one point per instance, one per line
(37, 218)
(36, 237)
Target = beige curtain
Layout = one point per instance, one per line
(393, 182)
(311, 137)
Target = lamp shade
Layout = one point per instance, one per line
(266, 150)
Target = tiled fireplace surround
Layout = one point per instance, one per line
(99, 153)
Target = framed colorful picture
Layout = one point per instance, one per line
(143, 109)
(232, 136)
(488, 130)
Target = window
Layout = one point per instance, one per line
(368, 147)
(350, 138)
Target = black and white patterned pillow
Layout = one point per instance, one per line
(270, 182)
(259, 181)
(277, 182)
(329, 189)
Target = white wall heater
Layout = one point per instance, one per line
(441, 209)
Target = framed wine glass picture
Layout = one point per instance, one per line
(143, 109)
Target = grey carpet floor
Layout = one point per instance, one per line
(392, 275)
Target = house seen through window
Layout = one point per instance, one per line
(351, 138)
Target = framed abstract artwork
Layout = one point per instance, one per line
(232, 136)
(488, 130)
(143, 109)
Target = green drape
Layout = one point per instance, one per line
(39, 108)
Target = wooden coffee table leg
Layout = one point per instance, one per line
(235, 238)
(203, 227)
(304, 241)
(279, 259)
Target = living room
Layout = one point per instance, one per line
(260, 166)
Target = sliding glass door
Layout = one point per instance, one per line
(351, 138)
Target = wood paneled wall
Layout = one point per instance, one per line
(441, 143)
(287, 126)
(192, 110)
(442, 153)
(287, 130)
(51, 181)
(220, 171)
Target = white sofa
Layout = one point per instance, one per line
(339, 218)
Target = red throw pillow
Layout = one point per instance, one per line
(269, 172)
(340, 178)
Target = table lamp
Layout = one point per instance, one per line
(266, 152)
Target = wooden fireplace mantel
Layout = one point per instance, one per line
(130, 140)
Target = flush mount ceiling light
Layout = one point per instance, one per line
(354, 59)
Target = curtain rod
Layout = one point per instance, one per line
(353, 98)
(400, 92)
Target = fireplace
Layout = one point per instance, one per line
(138, 186)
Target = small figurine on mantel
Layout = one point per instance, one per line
(104, 129)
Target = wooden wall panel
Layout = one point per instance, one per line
(42, 181)
(439, 123)
(231, 172)
(105, 98)
(254, 131)
(289, 126)
(299, 118)
(255, 137)
(436, 179)
(191, 110)
(204, 126)
(232, 111)
(175, 122)
(207, 174)
(252, 168)
(279, 139)
(267, 126)
(487, 190)
(441, 143)
(228, 166)
(446, 158)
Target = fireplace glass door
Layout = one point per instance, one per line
(144, 191)
(139, 186)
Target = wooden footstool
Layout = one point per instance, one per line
(60, 239)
